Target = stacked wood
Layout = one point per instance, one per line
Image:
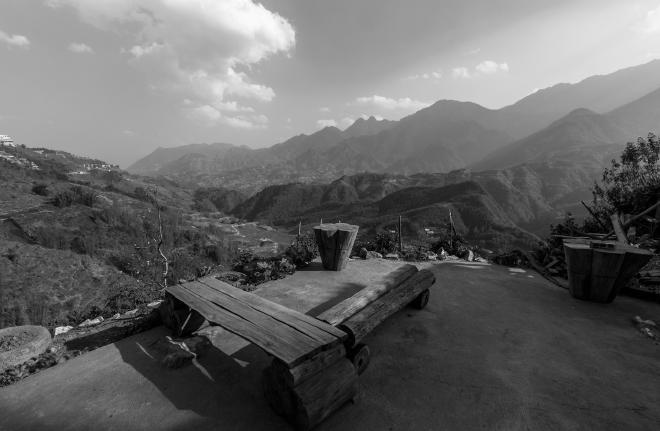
(350, 306)
(335, 242)
(365, 320)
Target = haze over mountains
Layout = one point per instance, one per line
(531, 161)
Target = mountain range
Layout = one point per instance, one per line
(530, 161)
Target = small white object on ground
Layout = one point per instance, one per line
(517, 270)
(131, 312)
(62, 330)
(641, 321)
(116, 316)
(154, 304)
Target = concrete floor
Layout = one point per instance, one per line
(494, 349)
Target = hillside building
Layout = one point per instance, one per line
(7, 141)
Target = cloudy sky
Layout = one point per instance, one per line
(117, 78)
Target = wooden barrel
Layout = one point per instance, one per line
(578, 263)
(335, 241)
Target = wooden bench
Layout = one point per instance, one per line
(316, 364)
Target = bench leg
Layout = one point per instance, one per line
(311, 401)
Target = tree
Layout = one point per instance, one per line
(631, 184)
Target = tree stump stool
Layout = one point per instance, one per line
(335, 242)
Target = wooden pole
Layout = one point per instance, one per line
(400, 236)
(451, 230)
(299, 227)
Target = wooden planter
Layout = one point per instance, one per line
(598, 270)
(335, 242)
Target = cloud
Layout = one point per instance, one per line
(202, 50)
(651, 22)
(460, 72)
(326, 123)
(486, 67)
(80, 48)
(472, 51)
(428, 75)
(238, 117)
(17, 40)
(389, 103)
(489, 67)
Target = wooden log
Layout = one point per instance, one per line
(348, 307)
(296, 375)
(364, 321)
(308, 403)
(335, 242)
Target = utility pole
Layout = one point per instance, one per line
(400, 236)
(451, 230)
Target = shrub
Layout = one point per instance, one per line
(302, 251)
(40, 189)
(74, 195)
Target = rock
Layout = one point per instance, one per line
(177, 359)
(392, 256)
(131, 312)
(91, 322)
(374, 255)
(470, 256)
(369, 254)
(62, 330)
(431, 256)
(20, 343)
(179, 352)
(116, 316)
(154, 304)
(443, 254)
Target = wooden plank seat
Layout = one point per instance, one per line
(284, 333)
(316, 360)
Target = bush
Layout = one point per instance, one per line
(259, 270)
(40, 189)
(302, 251)
(74, 195)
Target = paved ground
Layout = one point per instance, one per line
(493, 350)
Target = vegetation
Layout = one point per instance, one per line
(629, 186)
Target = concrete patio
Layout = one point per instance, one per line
(494, 349)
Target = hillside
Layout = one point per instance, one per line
(79, 241)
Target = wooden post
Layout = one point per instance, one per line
(299, 228)
(400, 236)
(335, 241)
(451, 230)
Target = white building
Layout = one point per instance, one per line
(7, 141)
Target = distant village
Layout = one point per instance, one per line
(7, 142)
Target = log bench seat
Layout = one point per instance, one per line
(316, 361)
